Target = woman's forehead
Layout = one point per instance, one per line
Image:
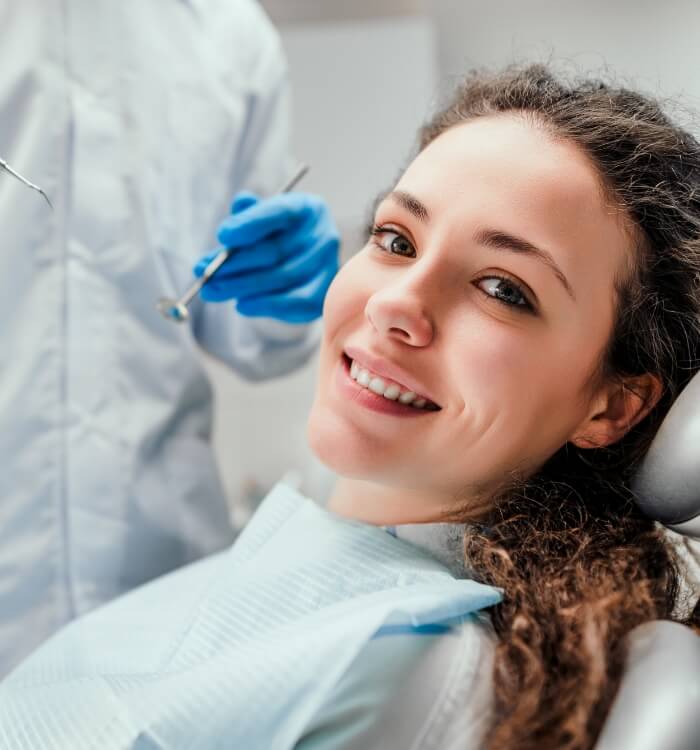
(507, 173)
(509, 158)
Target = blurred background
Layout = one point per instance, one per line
(364, 76)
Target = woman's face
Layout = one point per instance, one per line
(487, 288)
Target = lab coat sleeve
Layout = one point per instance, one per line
(259, 348)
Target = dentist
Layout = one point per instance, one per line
(140, 120)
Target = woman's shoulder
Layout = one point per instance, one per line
(412, 690)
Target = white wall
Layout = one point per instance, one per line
(649, 44)
(361, 88)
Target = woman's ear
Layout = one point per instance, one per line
(616, 409)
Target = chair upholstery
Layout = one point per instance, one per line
(658, 704)
(668, 483)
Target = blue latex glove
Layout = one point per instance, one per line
(285, 257)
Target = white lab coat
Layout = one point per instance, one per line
(140, 119)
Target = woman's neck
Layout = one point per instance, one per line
(385, 505)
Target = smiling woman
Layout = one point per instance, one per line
(495, 362)
(536, 271)
(502, 279)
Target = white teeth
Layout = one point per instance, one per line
(392, 391)
(377, 385)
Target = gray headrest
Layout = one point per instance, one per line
(668, 482)
(656, 707)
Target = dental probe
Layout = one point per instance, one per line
(176, 309)
(9, 169)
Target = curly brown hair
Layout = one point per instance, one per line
(580, 565)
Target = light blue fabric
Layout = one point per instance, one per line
(141, 120)
(237, 651)
(356, 705)
(409, 692)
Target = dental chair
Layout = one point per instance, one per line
(658, 704)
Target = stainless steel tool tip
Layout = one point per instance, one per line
(173, 310)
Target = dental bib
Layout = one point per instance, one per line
(239, 650)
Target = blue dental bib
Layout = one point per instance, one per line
(238, 650)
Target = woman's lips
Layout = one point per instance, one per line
(353, 391)
(388, 370)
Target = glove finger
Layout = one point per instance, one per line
(241, 260)
(275, 214)
(242, 200)
(256, 282)
(255, 258)
(204, 261)
(301, 304)
(213, 292)
(292, 272)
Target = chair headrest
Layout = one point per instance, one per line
(668, 482)
(656, 706)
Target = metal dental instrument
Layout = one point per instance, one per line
(4, 165)
(176, 309)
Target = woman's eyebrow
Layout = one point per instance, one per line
(410, 203)
(500, 240)
(492, 238)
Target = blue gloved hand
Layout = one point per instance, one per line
(285, 257)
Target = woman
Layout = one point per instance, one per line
(535, 271)
(500, 354)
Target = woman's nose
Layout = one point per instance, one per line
(400, 314)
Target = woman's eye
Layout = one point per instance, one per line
(505, 291)
(392, 242)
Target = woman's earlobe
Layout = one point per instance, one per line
(625, 404)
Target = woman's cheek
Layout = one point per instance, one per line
(329, 303)
(346, 296)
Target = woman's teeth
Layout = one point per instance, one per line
(391, 391)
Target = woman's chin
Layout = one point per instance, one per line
(339, 451)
